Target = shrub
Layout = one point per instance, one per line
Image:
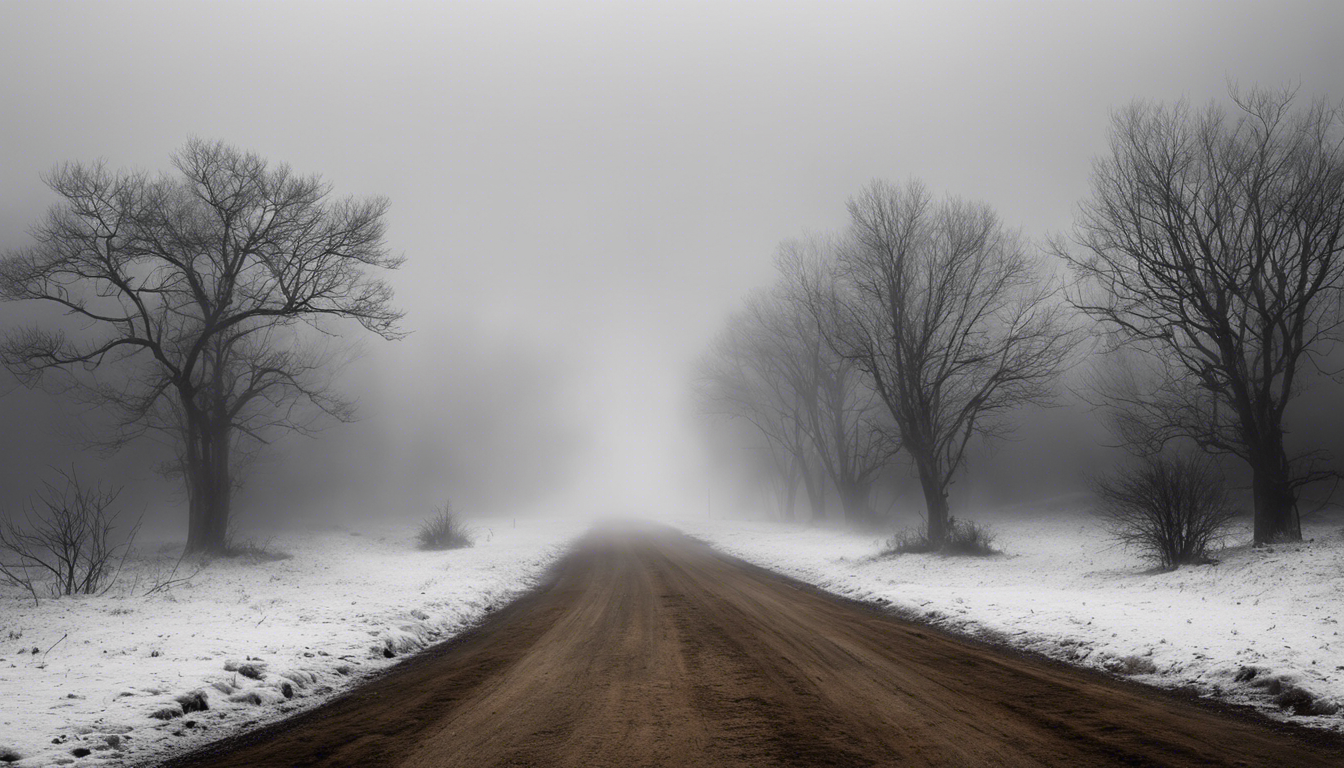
(66, 543)
(964, 537)
(1171, 508)
(445, 530)
(907, 541)
(252, 551)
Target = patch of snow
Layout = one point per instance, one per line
(1259, 627)
(250, 638)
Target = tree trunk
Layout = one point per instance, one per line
(195, 480)
(816, 491)
(223, 488)
(819, 499)
(790, 495)
(854, 500)
(935, 499)
(209, 489)
(1276, 516)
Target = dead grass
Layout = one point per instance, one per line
(965, 538)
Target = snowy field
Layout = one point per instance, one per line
(1260, 627)
(116, 679)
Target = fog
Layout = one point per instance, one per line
(584, 192)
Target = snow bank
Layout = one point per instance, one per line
(128, 679)
(1260, 627)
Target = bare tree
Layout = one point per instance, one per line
(853, 444)
(1213, 247)
(779, 473)
(750, 375)
(953, 322)
(773, 367)
(186, 284)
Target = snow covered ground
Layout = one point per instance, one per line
(1261, 627)
(105, 680)
(264, 638)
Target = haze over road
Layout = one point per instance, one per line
(647, 648)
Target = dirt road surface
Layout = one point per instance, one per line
(646, 648)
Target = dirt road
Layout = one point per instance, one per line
(648, 649)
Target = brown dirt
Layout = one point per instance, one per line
(648, 649)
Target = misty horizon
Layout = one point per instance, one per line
(596, 217)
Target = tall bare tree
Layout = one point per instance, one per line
(750, 373)
(1213, 246)
(852, 443)
(187, 284)
(951, 319)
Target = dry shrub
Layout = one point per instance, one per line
(1171, 508)
(65, 544)
(252, 551)
(964, 537)
(445, 530)
(907, 541)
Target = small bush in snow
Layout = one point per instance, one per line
(249, 549)
(907, 541)
(1170, 508)
(66, 545)
(964, 537)
(445, 530)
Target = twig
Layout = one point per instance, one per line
(53, 645)
(130, 542)
(170, 581)
(26, 581)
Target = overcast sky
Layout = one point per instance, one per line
(601, 183)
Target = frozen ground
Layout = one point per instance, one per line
(1260, 627)
(259, 638)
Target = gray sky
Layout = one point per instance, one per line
(600, 183)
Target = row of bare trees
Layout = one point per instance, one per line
(197, 305)
(1209, 259)
(817, 419)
